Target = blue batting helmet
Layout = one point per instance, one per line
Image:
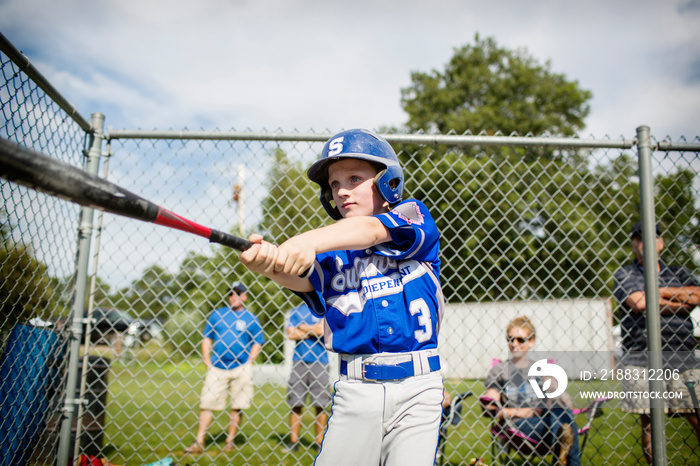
(364, 145)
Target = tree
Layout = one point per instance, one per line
(149, 295)
(678, 216)
(544, 229)
(522, 229)
(25, 286)
(292, 205)
(488, 88)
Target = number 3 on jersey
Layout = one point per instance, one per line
(420, 307)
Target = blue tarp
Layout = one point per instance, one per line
(27, 372)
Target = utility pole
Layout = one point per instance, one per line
(239, 199)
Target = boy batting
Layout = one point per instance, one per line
(375, 279)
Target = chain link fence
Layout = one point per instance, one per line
(37, 257)
(530, 226)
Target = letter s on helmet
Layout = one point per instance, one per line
(364, 145)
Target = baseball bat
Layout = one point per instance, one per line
(42, 173)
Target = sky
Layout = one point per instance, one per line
(312, 65)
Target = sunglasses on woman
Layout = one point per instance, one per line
(520, 340)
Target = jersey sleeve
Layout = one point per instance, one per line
(414, 234)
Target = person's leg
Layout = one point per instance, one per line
(684, 404)
(213, 398)
(547, 431)
(412, 421)
(321, 421)
(354, 434)
(205, 418)
(535, 427)
(241, 392)
(295, 424)
(646, 436)
(566, 441)
(234, 422)
(296, 394)
(638, 405)
(318, 388)
(563, 425)
(693, 421)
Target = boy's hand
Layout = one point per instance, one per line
(295, 256)
(260, 257)
(263, 258)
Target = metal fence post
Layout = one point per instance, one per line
(651, 284)
(78, 297)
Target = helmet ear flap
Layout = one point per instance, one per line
(329, 205)
(389, 183)
(378, 181)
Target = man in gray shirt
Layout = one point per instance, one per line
(679, 294)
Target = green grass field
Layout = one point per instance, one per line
(153, 407)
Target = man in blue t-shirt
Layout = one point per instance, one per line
(232, 341)
(309, 373)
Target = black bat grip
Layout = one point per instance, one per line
(231, 241)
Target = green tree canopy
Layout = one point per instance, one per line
(678, 217)
(25, 285)
(524, 228)
(292, 205)
(489, 88)
(516, 230)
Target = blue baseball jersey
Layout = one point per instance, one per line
(309, 349)
(234, 333)
(387, 298)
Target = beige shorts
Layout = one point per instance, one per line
(219, 383)
(676, 396)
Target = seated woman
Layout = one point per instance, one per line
(546, 420)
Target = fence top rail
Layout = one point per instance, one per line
(425, 139)
(19, 59)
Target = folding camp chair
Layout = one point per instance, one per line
(507, 437)
(451, 415)
(593, 410)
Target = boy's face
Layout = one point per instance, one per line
(352, 184)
